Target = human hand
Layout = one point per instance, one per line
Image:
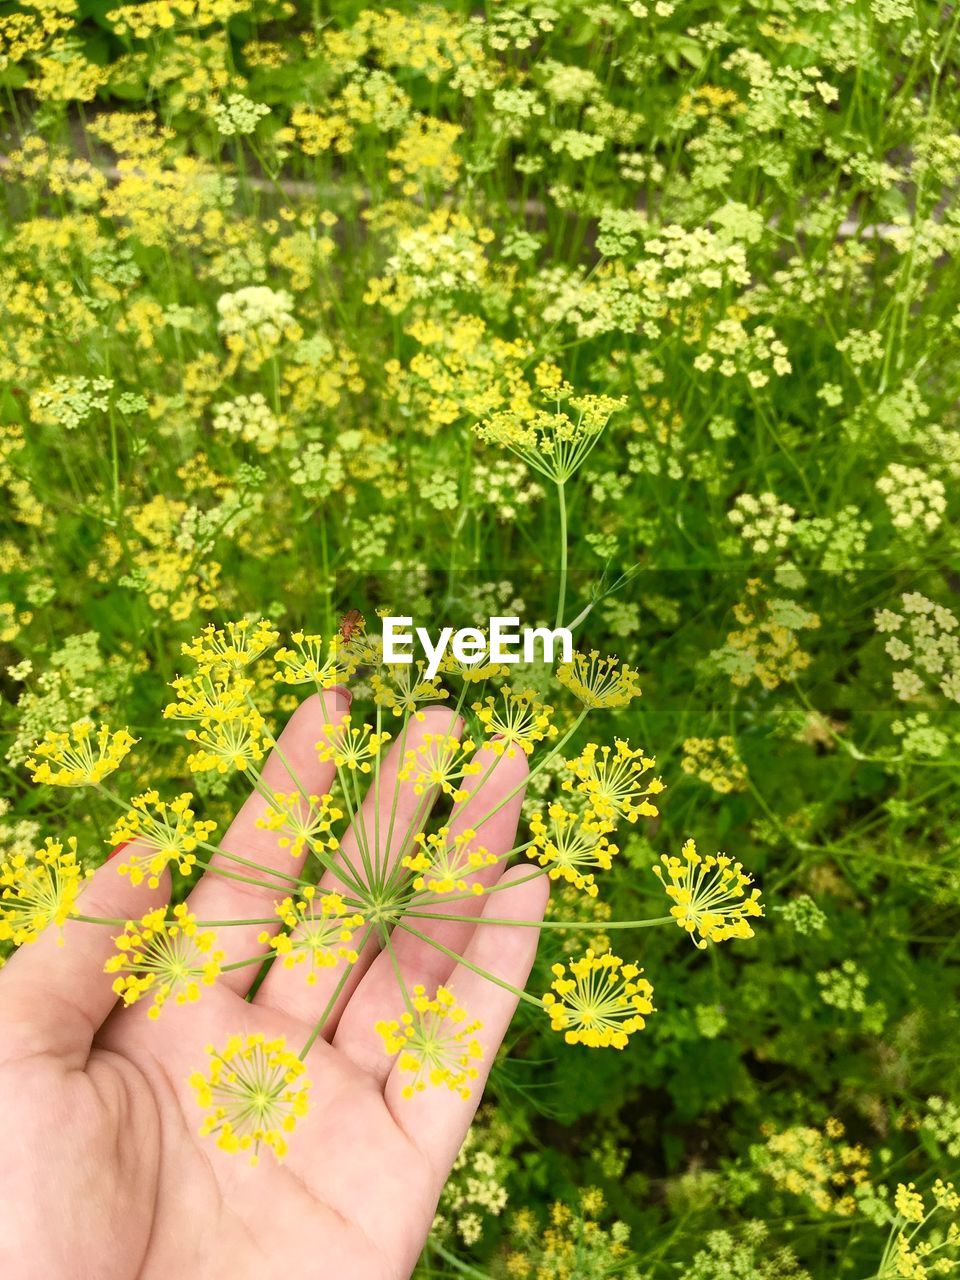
(107, 1177)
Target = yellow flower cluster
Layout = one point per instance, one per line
(716, 762)
(166, 956)
(572, 1245)
(599, 682)
(254, 1094)
(424, 155)
(440, 761)
(161, 832)
(461, 371)
(613, 781)
(255, 322)
(303, 822)
(443, 862)
(765, 647)
(710, 895)
(403, 689)
(570, 847)
(231, 732)
(80, 757)
(311, 661)
(38, 890)
(350, 747)
(435, 1042)
(222, 650)
(817, 1165)
(518, 720)
(599, 1001)
(321, 933)
(554, 444)
(151, 16)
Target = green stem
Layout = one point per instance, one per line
(335, 996)
(562, 590)
(542, 924)
(474, 968)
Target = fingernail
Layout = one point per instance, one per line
(113, 853)
(343, 691)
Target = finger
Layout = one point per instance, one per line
(293, 765)
(381, 833)
(437, 1119)
(54, 993)
(417, 961)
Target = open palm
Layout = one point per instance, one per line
(107, 1176)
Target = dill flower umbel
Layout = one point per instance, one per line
(442, 862)
(231, 647)
(350, 747)
(613, 782)
(403, 689)
(254, 1094)
(599, 1001)
(169, 830)
(321, 932)
(599, 682)
(435, 1041)
(441, 761)
(554, 444)
(38, 890)
(716, 762)
(303, 821)
(164, 956)
(570, 848)
(710, 895)
(520, 720)
(80, 757)
(313, 662)
(231, 733)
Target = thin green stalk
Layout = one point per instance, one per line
(468, 964)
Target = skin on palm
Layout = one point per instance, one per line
(108, 1176)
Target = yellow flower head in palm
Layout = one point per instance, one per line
(403, 688)
(169, 831)
(443, 863)
(436, 1043)
(165, 956)
(254, 1094)
(321, 933)
(440, 761)
(303, 822)
(350, 747)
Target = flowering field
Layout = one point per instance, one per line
(637, 317)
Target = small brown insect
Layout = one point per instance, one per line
(352, 623)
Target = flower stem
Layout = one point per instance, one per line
(562, 592)
(467, 964)
(335, 996)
